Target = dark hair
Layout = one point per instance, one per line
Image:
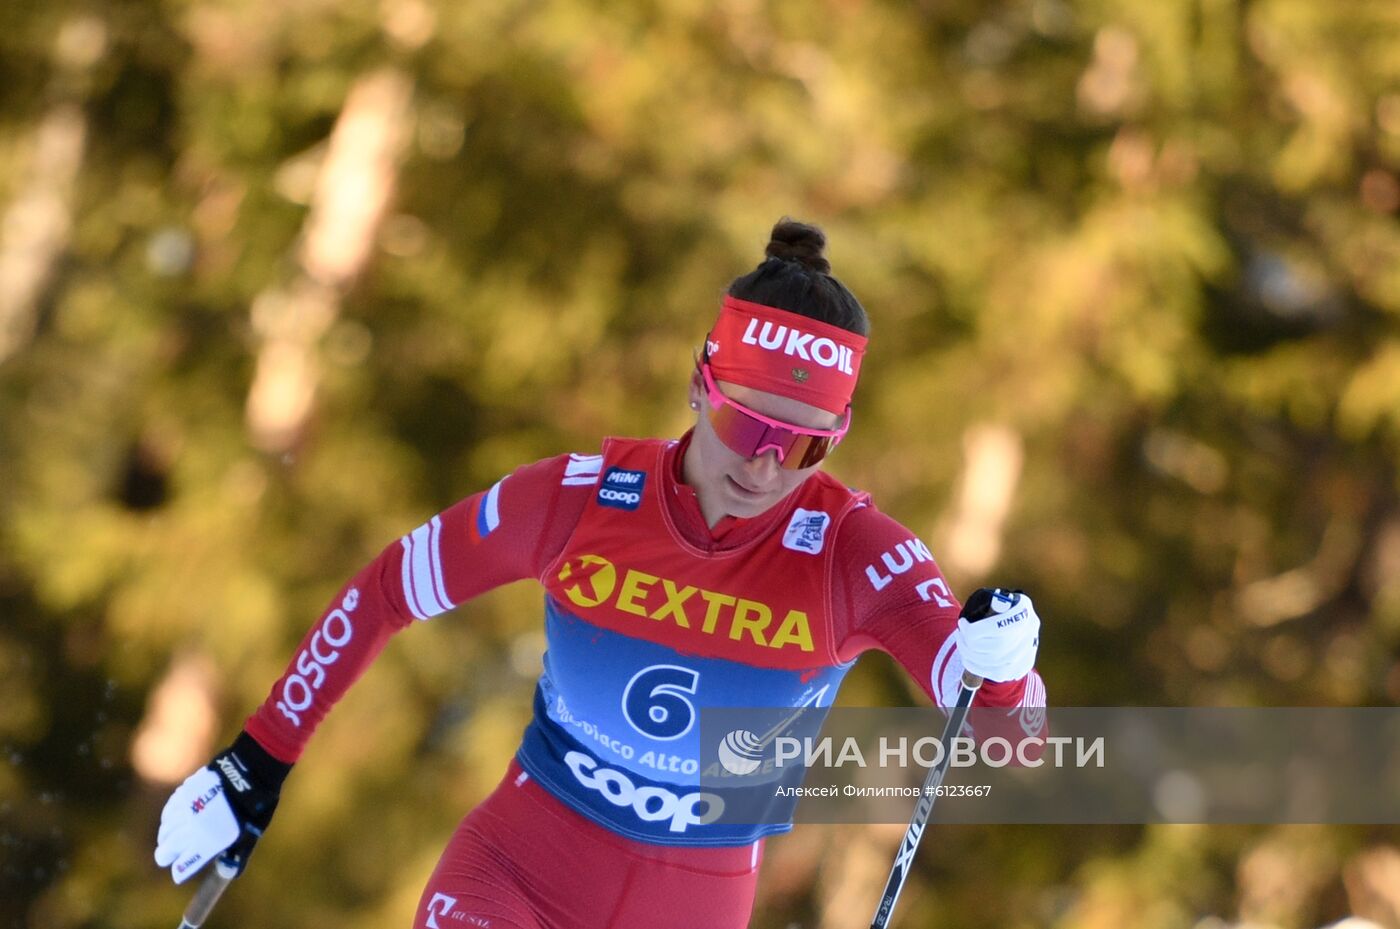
(796, 277)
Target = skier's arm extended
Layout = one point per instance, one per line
(890, 594)
(508, 532)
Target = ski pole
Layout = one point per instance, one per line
(208, 894)
(904, 860)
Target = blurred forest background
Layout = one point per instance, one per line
(280, 279)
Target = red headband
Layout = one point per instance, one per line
(785, 353)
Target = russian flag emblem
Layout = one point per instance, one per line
(487, 513)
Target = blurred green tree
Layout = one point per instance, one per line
(1134, 270)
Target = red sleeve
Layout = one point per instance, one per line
(888, 593)
(508, 532)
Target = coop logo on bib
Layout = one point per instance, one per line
(651, 803)
(622, 489)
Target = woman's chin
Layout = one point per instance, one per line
(745, 502)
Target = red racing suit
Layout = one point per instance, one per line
(650, 616)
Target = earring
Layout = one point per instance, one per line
(694, 405)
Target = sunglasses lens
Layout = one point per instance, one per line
(748, 437)
(742, 433)
(813, 449)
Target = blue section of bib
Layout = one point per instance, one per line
(616, 733)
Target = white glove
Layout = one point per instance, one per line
(195, 826)
(998, 634)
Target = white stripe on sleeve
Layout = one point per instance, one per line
(422, 571)
(1032, 707)
(946, 674)
(491, 507)
(1034, 694)
(582, 470)
(408, 578)
(435, 566)
(579, 463)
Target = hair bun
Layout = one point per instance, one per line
(799, 242)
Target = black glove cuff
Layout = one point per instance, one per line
(980, 605)
(268, 772)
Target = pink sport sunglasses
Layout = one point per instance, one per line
(750, 434)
